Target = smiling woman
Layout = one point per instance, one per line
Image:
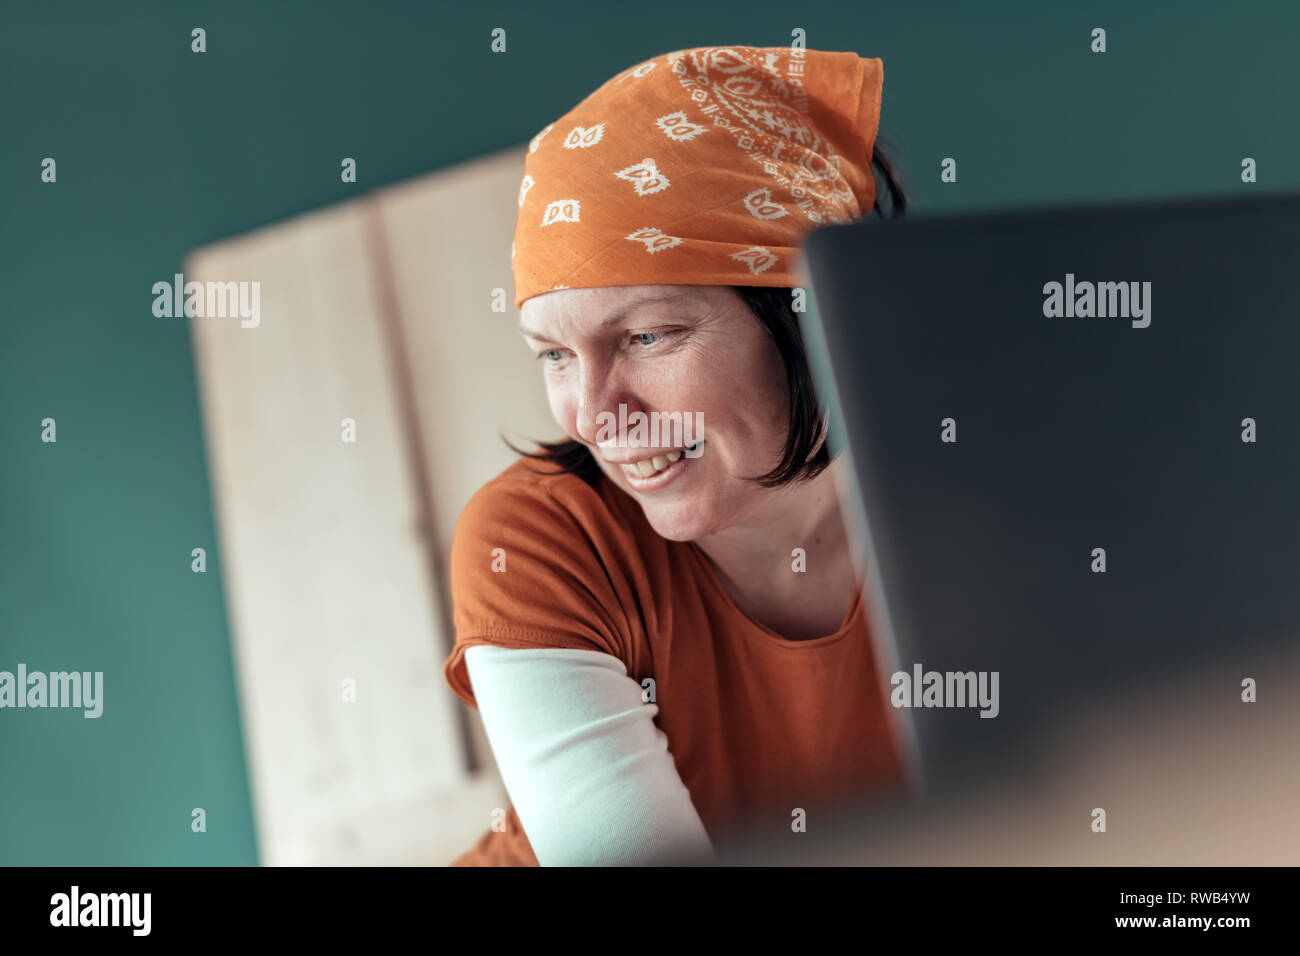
(665, 636)
(804, 455)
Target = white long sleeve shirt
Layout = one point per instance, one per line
(585, 765)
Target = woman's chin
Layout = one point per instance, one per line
(677, 524)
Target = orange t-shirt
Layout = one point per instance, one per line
(756, 724)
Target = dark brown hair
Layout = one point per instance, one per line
(805, 455)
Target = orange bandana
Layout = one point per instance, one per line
(700, 167)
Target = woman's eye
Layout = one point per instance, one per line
(551, 355)
(642, 337)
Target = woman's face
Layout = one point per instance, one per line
(693, 350)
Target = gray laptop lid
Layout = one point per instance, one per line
(1120, 430)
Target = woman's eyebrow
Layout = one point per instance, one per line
(619, 316)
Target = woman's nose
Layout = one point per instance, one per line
(599, 393)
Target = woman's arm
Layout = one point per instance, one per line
(586, 767)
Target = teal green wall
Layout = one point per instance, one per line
(160, 150)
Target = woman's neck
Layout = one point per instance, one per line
(799, 595)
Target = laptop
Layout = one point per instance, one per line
(1075, 445)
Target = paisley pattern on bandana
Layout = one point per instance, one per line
(705, 166)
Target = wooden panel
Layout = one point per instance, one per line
(324, 553)
(447, 239)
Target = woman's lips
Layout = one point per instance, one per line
(655, 472)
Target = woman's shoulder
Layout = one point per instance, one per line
(533, 496)
(550, 529)
(526, 478)
(541, 559)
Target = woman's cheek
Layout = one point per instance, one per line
(775, 395)
(562, 410)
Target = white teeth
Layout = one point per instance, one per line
(650, 466)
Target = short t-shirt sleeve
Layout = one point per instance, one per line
(527, 572)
